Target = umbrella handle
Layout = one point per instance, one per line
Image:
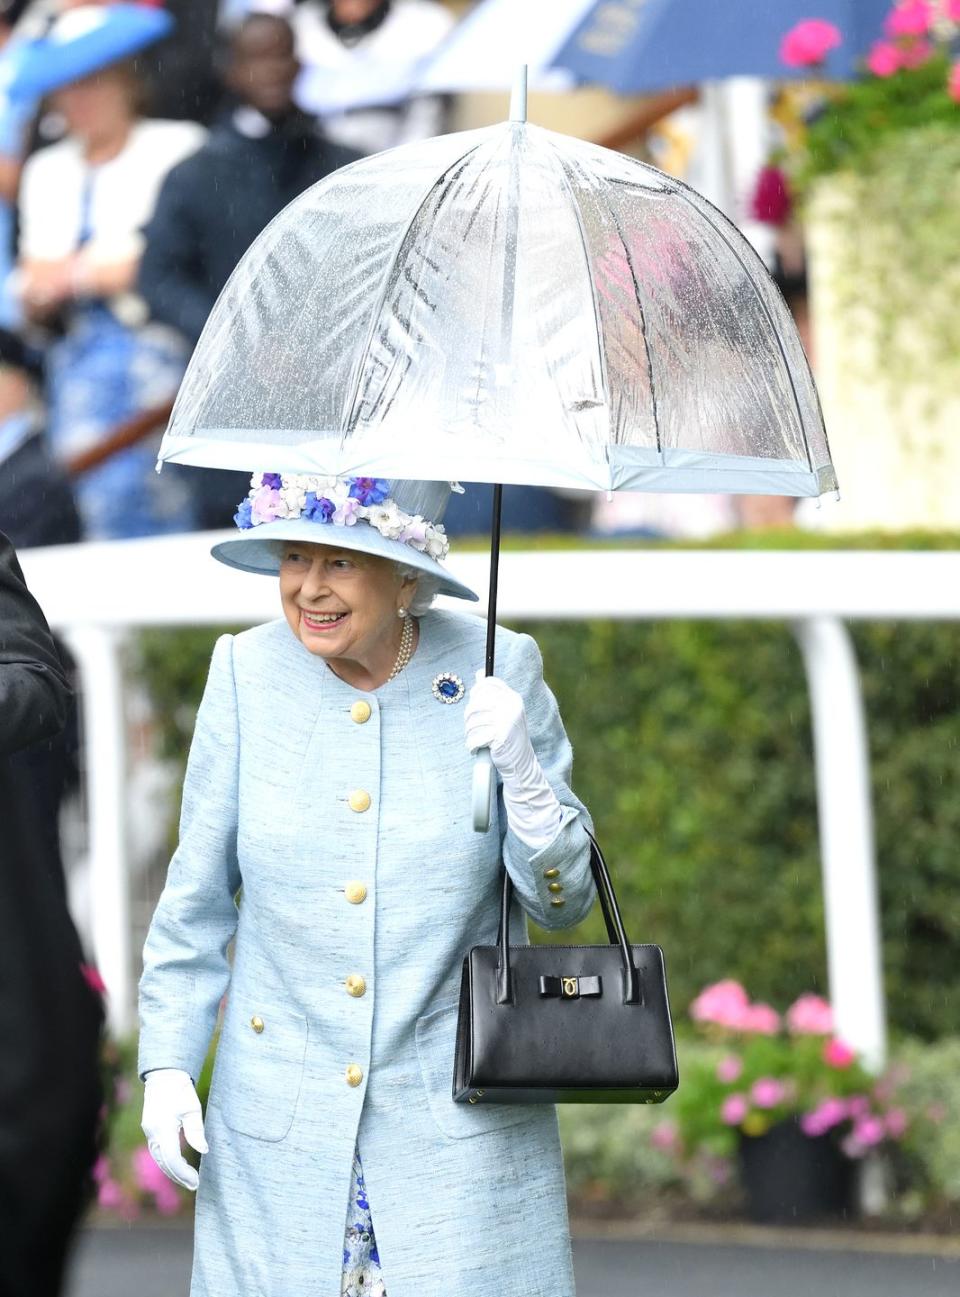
(484, 782)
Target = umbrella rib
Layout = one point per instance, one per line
(709, 215)
(578, 216)
(654, 402)
(353, 390)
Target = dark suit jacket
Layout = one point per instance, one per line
(49, 1017)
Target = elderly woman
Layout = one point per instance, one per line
(326, 825)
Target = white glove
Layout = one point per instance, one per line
(494, 718)
(169, 1103)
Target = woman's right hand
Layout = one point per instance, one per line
(170, 1103)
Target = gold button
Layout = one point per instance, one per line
(557, 900)
(360, 712)
(354, 1074)
(551, 873)
(554, 887)
(257, 1024)
(356, 893)
(359, 800)
(355, 984)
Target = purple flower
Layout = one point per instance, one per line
(273, 480)
(244, 515)
(318, 508)
(369, 490)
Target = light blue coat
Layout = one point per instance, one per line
(467, 1201)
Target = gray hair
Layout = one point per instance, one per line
(424, 592)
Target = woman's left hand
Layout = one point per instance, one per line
(494, 718)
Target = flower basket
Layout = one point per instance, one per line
(790, 1178)
(783, 1103)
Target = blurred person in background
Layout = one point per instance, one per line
(259, 157)
(83, 205)
(37, 506)
(14, 123)
(359, 58)
(50, 1018)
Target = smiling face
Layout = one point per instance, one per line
(342, 605)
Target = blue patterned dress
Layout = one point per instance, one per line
(361, 1262)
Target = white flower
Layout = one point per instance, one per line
(294, 498)
(387, 519)
(437, 544)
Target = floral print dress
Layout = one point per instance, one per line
(361, 1261)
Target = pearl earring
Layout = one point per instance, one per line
(401, 612)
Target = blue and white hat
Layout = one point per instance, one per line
(397, 520)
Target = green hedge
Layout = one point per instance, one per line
(693, 749)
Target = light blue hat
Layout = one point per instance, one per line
(397, 520)
(82, 41)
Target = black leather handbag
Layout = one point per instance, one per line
(565, 1024)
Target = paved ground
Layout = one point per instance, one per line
(154, 1261)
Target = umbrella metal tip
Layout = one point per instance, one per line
(518, 95)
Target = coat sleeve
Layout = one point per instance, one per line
(34, 693)
(569, 852)
(171, 278)
(185, 966)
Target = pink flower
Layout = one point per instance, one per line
(896, 1123)
(884, 59)
(761, 1019)
(909, 18)
(110, 1195)
(824, 1117)
(916, 53)
(951, 10)
(838, 1054)
(869, 1131)
(93, 979)
(101, 1170)
(858, 1106)
(729, 1069)
(267, 504)
(810, 1015)
(767, 1092)
(733, 1109)
(722, 1004)
(809, 42)
(345, 514)
(152, 1180)
(665, 1137)
(771, 197)
(953, 83)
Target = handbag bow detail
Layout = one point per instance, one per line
(570, 988)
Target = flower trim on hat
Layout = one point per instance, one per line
(276, 497)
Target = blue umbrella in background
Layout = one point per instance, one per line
(80, 42)
(632, 46)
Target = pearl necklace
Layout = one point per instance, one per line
(406, 649)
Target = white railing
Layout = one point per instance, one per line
(95, 593)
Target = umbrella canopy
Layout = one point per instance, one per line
(82, 41)
(637, 46)
(633, 46)
(505, 305)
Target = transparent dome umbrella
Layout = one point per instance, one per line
(505, 305)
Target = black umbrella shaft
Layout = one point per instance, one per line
(494, 574)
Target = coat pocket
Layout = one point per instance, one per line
(436, 1036)
(260, 1071)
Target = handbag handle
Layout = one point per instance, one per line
(611, 917)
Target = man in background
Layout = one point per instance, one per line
(260, 156)
(49, 1017)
